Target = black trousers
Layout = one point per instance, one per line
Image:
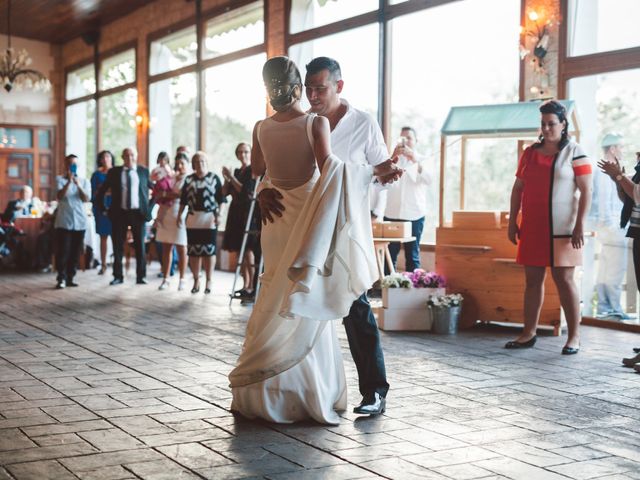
(636, 260)
(364, 342)
(69, 245)
(119, 225)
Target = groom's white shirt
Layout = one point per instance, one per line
(357, 139)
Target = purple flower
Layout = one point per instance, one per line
(423, 279)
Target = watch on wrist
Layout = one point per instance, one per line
(618, 177)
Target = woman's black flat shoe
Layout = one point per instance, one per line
(195, 289)
(207, 290)
(528, 344)
(570, 350)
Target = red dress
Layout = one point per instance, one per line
(550, 206)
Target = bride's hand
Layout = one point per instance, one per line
(269, 203)
(388, 171)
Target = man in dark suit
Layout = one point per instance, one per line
(129, 187)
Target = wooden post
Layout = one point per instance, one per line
(463, 161)
(443, 154)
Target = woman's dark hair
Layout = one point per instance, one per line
(281, 76)
(162, 155)
(100, 158)
(240, 145)
(555, 107)
(180, 157)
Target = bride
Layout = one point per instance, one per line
(318, 257)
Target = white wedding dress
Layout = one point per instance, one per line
(317, 259)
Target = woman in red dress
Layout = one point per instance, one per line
(552, 191)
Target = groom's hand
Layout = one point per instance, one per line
(388, 171)
(269, 203)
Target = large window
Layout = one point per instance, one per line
(172, 114)
(602, 25)
(235, 30)
(116, 100)
(80, 124)
(359, 65)
(176, 50)
(609, 104)
(456, 73)
(306, 14)
(117, 113)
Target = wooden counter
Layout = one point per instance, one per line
(480, 264)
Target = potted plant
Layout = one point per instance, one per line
(411, 289)
(445, 312)
(403, 299)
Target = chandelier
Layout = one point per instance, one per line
(13, 67)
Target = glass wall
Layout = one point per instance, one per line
(118, 129)
(602, 25)
(172, 114)
(81, 82)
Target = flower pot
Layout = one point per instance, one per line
(445, 319)
(404, 319)
(414, 298)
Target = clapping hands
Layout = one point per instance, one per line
(612, 169)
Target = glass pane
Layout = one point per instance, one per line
(81, 82)
(16, 138)
(118, 70)
(455, 73)
(80, 128)
(173, 51)
(394, 2)
(227, 86)
(608, 103)
(235, 30)
(602, 25)
(117, 122)
(44, 139)
(359, 66)
(172, 113)
(307, 14)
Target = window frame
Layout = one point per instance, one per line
(96, 61)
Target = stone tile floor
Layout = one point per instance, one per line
(127, 382)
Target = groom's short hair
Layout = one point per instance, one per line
(325, 63)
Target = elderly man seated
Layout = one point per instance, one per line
(22, 206)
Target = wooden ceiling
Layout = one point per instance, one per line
(58, 21)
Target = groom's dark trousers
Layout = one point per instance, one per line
(366, 350)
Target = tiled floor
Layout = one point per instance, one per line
(101, 382)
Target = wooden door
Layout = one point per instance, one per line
(15, 172)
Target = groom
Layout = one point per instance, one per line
(355, 138)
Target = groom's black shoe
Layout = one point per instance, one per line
(371, 405)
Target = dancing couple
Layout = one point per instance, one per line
(318, 252)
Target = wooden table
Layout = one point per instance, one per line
(31, 228)
(381, 246)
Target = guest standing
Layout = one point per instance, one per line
(168, 231)
(104, 163)
(129, 185)
(552, 190)
(241, 185)
(407, 198)
(71, 221)
(201, 195)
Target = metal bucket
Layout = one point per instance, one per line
(445, 320)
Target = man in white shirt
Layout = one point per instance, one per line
(71, 220)
(407, 199)
(355, 138)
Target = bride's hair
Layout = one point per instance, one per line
(281, 77)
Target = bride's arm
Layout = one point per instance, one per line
(258, 167)
(321, 140)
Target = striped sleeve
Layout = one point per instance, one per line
(580, 162)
